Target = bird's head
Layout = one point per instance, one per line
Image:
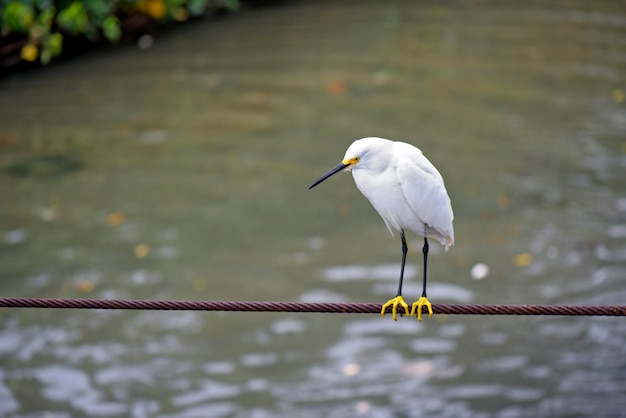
(356, 156)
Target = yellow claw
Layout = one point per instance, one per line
(398, 300)
(417, 306)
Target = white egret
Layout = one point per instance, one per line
(408, 192)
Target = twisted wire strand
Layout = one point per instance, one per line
(358, 308)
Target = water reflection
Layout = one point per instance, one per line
(194, 157)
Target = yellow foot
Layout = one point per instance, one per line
(417, 306)
(398, 300)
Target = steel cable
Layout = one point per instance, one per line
(252, 306)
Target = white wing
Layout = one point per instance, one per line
(426, 195)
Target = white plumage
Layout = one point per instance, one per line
(403, 186)
(407, 191)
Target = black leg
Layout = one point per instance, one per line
(425, 251)
(404, 251)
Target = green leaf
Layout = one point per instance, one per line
(111, 29)
(55, 42)
(46, 18)
(197, 7)
(74, 18)
(18, 16)
(98, 9)
(46, 55)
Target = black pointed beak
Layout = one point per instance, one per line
(337, 169)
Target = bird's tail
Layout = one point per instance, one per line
(447, 240)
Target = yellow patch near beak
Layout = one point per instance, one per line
(351, 161)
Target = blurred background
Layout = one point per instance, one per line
(179, 169)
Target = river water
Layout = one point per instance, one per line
(180, 171)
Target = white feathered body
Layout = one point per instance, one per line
(404, 187)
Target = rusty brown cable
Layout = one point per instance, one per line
(252, 306)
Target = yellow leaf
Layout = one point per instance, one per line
(142, 250)
(115, 219)
(29, 52)
(153, 8)
(522, 260)
(84, 286)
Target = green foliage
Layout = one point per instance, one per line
(74, 18)
(98, 9)
(46, 18)
(46, 23)
(197, 7)
(111, 28)
(17, 17)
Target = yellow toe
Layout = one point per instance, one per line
(398, 300)
(417, 307)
